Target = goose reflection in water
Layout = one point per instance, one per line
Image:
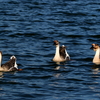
(1, 74)
(4, 73)
(96, 69)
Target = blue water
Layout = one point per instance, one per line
(27, 30)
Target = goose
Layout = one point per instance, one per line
(96, 58)
(61, 54)
(11, 65)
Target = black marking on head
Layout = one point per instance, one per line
(94, 47)
(56, 42)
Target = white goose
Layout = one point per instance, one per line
(61, 54)
(96, 58)
(10, 65)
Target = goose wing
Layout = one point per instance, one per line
(62, 52)
(9, 65)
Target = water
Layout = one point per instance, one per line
(27, 30)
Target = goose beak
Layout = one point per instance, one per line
(92, 48)
(54, 43)
(19, 69)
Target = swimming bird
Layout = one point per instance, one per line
(11, 65)
(96, 58)
(61, 54)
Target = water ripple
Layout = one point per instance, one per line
(28, 29)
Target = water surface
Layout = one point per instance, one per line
(27, 30)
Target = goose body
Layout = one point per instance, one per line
(61, 54)
(96, 58)
(8, 66)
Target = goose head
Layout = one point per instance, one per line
(56, 42)
(95, 47)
